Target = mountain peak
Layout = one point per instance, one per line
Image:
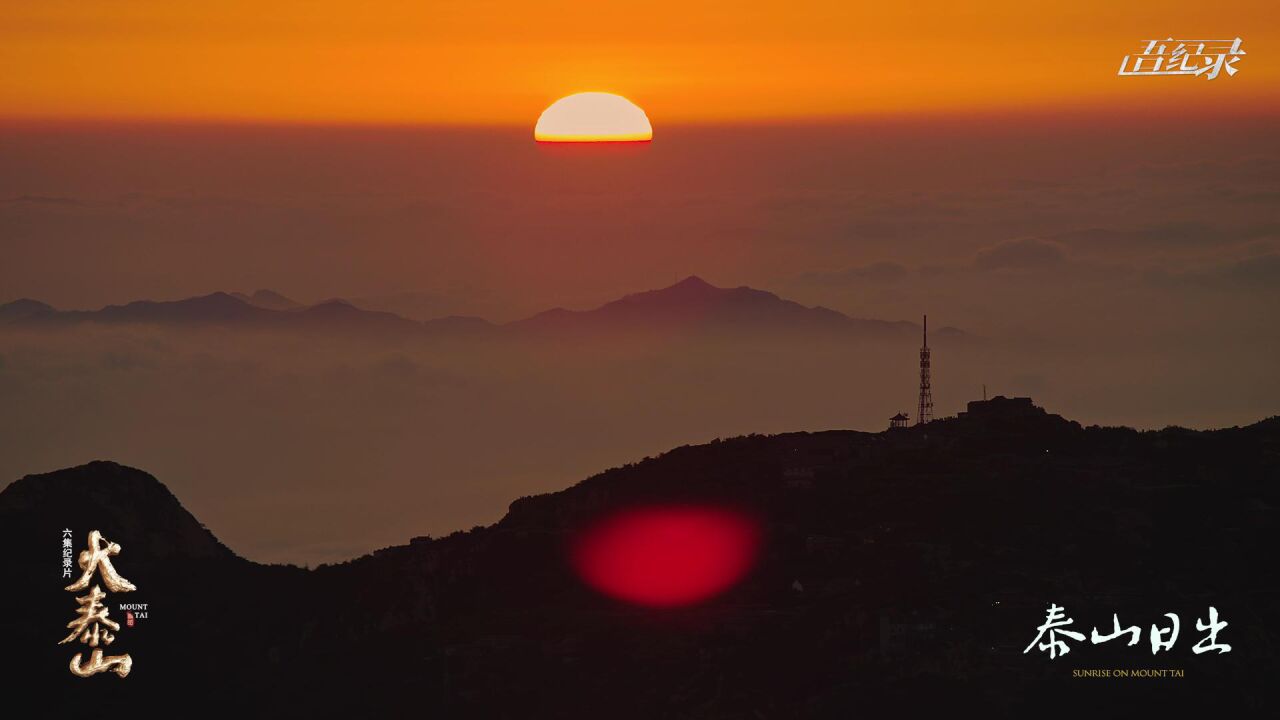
(694, 305)
(336, 303)
(214, 308)
(219, 300)
(27, 303)
(128, 505)
(264, 294)
(218, 297)
(24, 308)
(269, 299)
(693, 288)
(693, 281)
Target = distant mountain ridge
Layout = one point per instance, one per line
(263, 310)
(269, 299)
(23, 309)
(691, 306)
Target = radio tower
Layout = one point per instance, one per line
(925, 412)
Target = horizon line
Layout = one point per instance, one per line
(1052, 113)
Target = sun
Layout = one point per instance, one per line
(593, 117)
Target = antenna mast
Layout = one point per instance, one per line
(924, 413)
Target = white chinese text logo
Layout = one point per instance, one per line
(1184, 57)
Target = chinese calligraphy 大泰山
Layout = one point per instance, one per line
(93, 627)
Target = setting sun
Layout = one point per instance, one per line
(593, 117)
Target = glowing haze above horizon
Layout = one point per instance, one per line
(500, 62)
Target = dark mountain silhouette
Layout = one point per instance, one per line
(691, 307)
(214, 309)
(695, 306)
(338, 314)
(902, 574)
(24, 309)
(217, 308)
(222, 310)
(137, 505)
(342, 315)
(269, 299)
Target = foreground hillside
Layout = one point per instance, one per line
(900, 572)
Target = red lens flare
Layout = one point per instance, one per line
(667, 556)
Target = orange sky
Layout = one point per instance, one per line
(494, 61)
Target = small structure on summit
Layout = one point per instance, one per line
(1001, 406)
(901, 420)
